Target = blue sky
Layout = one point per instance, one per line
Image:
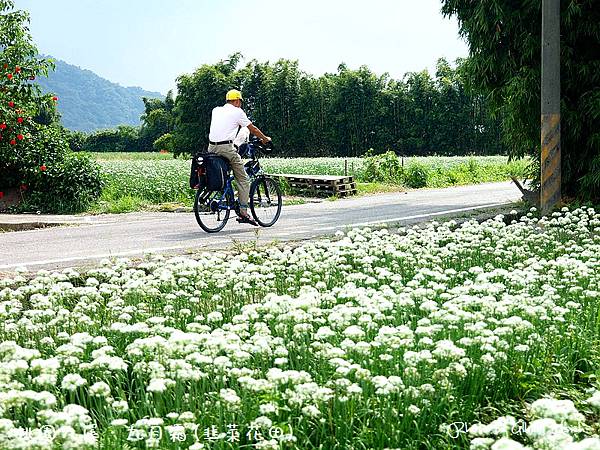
(148, 43)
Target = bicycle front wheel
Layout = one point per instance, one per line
(210, 208)
(265, 201)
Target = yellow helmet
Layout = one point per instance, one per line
(233, 94)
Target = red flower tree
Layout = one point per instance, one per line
(20, 100)
(30, 144)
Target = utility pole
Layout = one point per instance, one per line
(550, 189)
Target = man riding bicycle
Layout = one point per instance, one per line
(225, 124)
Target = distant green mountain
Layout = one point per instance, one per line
(88, 102)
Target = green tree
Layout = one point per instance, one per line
(462, 124)
(505, 53)
(452, 122)
(165, 142)
(422, 96)
(157, 120)
(282, 104)
(356, 106)
(124, 138)
(396, 116)
(197, 95)
(257, 78)
(312, 120)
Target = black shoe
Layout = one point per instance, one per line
(247, 219)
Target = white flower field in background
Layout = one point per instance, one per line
(374, 339)
(147, 178)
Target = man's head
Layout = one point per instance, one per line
(234, 97)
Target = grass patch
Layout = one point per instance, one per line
(121, 204)
(377, 188)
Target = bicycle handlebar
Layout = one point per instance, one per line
(257, 143)
(255, 146)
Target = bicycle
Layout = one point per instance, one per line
(213, 208)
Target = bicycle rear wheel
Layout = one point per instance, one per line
(209, 211)
(265, 201)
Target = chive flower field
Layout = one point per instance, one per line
(132, 179)
(444, 336)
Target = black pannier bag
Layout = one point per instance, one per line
(216, 168)
(208, 171)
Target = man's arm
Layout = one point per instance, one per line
(256, 132)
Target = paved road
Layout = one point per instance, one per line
(87, 239)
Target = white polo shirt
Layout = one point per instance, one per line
(225, 122)
(242, 137)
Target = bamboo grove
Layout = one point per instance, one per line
(340, 114)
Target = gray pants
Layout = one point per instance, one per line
(241, 177)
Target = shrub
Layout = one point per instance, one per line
(473, 167)
(416, 175)
(71, 185)
(384, 168)
(56, 179)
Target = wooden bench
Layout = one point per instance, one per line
(327, 185)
